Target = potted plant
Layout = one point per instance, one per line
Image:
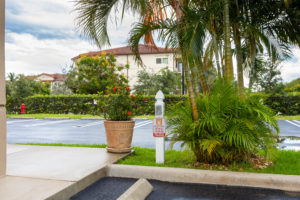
(118, 124)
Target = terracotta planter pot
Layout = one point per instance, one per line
(119, 136)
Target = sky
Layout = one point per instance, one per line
(41, 37)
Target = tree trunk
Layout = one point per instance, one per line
(194, 77)
(190, 90)
(202, 77)
(217, 55)
(252, 66)
(177, 8)
(239, 59)
(228, 59)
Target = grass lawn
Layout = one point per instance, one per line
(285, 162)
(71, 116)
(282, 117)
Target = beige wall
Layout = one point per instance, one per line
(149, 61)
(2, 93)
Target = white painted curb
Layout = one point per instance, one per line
(138, 191)
(272, 181)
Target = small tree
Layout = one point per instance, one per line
(57, 89)
(149, 83)
(267, 77)
(92, 75)
(20, 87)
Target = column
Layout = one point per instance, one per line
(2, 92)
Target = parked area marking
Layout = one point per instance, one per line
(46, 123)
(294, 122)
(89, 124)
(142, 124)
(17, 121)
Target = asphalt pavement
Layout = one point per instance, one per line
(92, 132)
(111, 188)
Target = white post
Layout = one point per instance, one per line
(159, 130)
(2, 93)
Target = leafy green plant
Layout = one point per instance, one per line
(229, 128)
(92, 75)
(118, 104)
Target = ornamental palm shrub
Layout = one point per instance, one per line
(229, 128)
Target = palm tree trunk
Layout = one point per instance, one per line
(194, 77)
(252, 66)
(191, 93)
(227, 44)
(217, 55)
(202, 77)
(177, 8)
(239, 59)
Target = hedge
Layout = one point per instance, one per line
(83, 104)
(143, 105)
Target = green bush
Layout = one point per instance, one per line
(284, 105)
(84, 104)
(229, 129)
(143, 104)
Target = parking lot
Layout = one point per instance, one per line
(92, 132)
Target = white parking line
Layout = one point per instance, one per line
(89, 124)
(46, 123)
(142, 124)
(17, 121)
(293, 123)
(296, 121)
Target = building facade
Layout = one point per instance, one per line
(154, 59)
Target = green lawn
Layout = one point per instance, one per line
(150, 117)
(71, 116)
(286, 162)
(282, 117)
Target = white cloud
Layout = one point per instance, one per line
(25, 53)
(53, 14)
(28, 55)
(290, 69)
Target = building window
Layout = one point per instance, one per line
(161, 60)
(158, 60)
(179, 67)
(165, 60)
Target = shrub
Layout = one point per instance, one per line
(229, 128)
(84, 104)
(118, 104)
(143, 104)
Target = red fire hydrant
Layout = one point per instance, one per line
(23, 108)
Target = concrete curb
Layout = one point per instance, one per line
(271, 181)
(139, 190)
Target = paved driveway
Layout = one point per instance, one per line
(92, 131)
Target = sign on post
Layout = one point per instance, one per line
(159, 128)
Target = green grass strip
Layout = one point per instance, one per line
(71, 116)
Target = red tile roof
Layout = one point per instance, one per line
(143, 49)
(56, 77)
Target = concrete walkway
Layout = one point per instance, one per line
(39, 172)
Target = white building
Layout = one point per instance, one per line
(154, 60)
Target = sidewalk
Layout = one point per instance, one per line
(39, 172)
